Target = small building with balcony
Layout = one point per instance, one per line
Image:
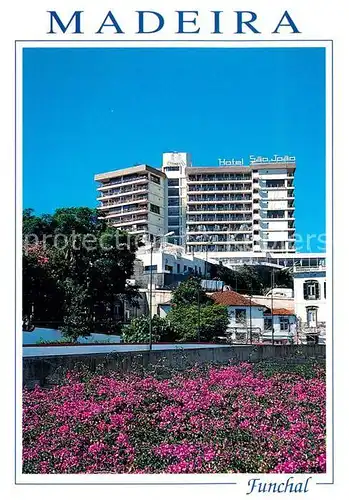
(310, 294)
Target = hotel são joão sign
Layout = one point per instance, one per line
(256, 160)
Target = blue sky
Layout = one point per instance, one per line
(87, 111)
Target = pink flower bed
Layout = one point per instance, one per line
(230, 419)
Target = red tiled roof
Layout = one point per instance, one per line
(280, 312)
(230, 298)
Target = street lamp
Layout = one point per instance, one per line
(209, 240)
(151, 286)
(268, 255)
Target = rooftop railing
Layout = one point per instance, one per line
(123, 180)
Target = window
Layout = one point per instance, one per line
(267, 324)
(171, 169)
(284, 323)
(325, 290)
(178, 268)
(173, 211)
(173, 182)
(154, 208)
(147, 269)
(168, 268)
(275, 183)
(173, 192)
(173, 221)
(240, 316)
(312, 316)
(173, 202)
(311, 290)
(155, 179)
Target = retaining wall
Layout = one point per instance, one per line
(50, 369)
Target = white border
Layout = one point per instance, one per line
(240, 479)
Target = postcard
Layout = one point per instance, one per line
(173, 184)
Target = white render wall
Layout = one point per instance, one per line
(162, 259)
(301, 304)
(257, 321)
(182, 161)
(273, 199)
(256, 314)
(157, 223)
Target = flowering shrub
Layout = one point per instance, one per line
(227, 419)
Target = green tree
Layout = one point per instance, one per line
(194, 315)
(138, 330)
(42, 296)
(190, 292)
(82, 256)
(76, 320)
(193, 323)
(255, 279)
(35, 226)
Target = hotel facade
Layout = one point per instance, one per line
(134, 199)
(224, 211)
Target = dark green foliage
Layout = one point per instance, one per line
(194, 316)
(199, 323)
(254, 279)
(190, 292)
(138, 330)
(75, 269)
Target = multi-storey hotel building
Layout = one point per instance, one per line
(134, 199)
(217, 210)
(228, 209)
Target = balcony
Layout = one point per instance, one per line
(120, 180)
(220, 208)
(219, 239)
(238, 247)
(226, 188)
(213, 219)
(127, 221)
(115, 193)
(219, 228)
(213, 199)
(137, 210)
(119, 203)
(194, 179)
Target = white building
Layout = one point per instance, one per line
(273, 207)
(134, 199)
(310, 295)
(223, 211)
(171, 259)
(277, 259)
(248, 319)
(174, 165)
(241, 209)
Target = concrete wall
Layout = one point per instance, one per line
(45, 370)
